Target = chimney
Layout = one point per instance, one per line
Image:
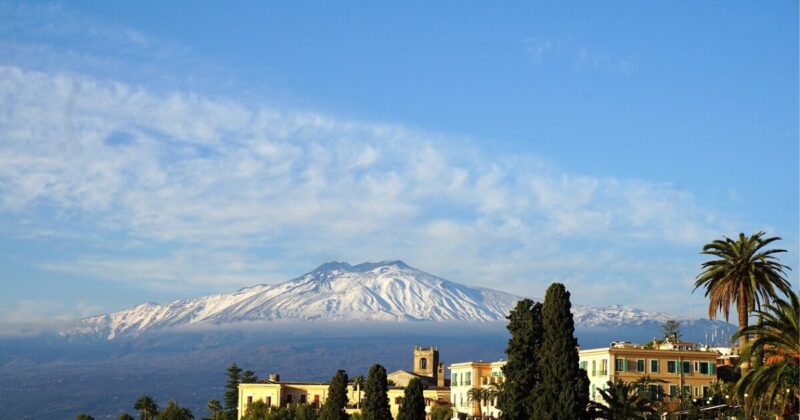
(274, 377)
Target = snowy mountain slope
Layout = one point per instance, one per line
(384, 291)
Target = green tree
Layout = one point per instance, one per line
(258, 410)
(672, 330)
(558, 395)
(622, 402)
(248, 377)
(232, 389)
(84, 417)
(773, 380)
(478, 396)
(303, 412)
(147, 407)
(742, 273)
(336, 401)
(358, 384)
(441, 412)
(125, 416)
(413, 406)
(215, 407)
(376, 400)
(173, 411)
(521, 372)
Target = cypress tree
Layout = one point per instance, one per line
(376, 400)
(248, 377)
(413, 407)
(557, 396)
(522, 369)
(335, 402)
(232, 394)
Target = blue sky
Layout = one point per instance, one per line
(161, 150)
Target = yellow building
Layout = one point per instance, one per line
(276, 393)
(467, 375)
(685, 369)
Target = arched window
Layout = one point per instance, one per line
(423, 363)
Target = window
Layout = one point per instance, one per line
(594, 391)
(594, 367)
(289, 398)
(604, 368)
(454, 380)
(469, 379)
(654, 366)
(687, 391)
(704, 368)
(687, 367)
(640, 365)
(672, 366)
(423, 363)
(621, 365)
(302, 398)
(268, 401)
(655, 392)
(249, 399)
(584, 365)
(673, 391)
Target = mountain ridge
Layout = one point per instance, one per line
(389, 291)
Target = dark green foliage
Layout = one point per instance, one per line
(258, 410)
(304, 412)
(173, 411)
(557, 395)
(248, 377)
(672, 330)
(232, 388)
(413, 407)
(376, 400)
(441, 412)
(84, 417)
(125, 416)
(147, 407)
(215, 407)
(522, 369)
(622, 402)
(335, 403)
(584, 402)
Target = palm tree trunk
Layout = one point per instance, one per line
(741, 307)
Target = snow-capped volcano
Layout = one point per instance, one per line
(384, 291)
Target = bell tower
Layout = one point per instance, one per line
(426, 362)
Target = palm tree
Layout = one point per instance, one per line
(479, 395)
(147, 407)
(744, 273)
(358, 383)
(214, 406)
(622, 402)
(776, 349)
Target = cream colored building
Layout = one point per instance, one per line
(426, 366)
(685, 369)
(467, 375)
(278, 394)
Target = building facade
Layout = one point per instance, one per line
(685, 370)
(468, 375)
(426, 366)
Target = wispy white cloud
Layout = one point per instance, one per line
(537, 48)
(236, 192)
(589, 59)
